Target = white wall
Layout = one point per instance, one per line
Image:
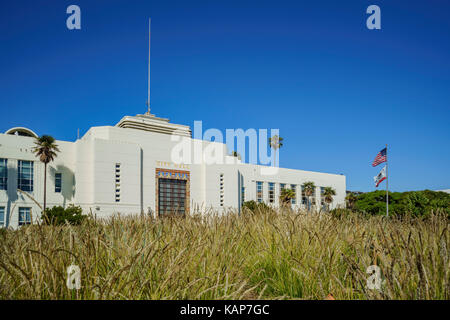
(253, 173)
(15, 148)
(88, 169)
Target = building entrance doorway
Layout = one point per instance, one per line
(172, 197)
(172, 192)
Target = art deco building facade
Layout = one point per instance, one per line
(129, 168)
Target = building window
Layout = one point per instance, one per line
(25, 175)
(24, 216)
(3, 174)
(221, 185)
(58, 182)
(294, 198)
(172, 196)
(242, 195)
(322, 198)
(2, 217)
(282, 187)
(259, 191)
(271, 192)
(117, 183)
(304, 198)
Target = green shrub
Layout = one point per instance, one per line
(341, 212)
(256, 207)
(58, 215)
(250, 205)
(415, 203)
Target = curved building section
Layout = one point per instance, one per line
(21, 131)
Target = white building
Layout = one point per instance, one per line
(129, 168)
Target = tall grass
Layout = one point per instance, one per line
(276, 255)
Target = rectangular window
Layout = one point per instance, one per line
(2, 217)
(271, 192)
(24, 216)
(282, 186)
(242, 195)
(117, 179)
(3, 174)
(58, 182)
(322, 198)
(259, 191)
(221, 190)
(304, 197)
(25, 175)
(294, 198)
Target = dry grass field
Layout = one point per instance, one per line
(268, 255)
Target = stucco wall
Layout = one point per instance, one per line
(88, 170)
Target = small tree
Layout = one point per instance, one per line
(275, 142)
(351, 199)
(328, 193)
(46, 150)
(286, 196)
(309, 188)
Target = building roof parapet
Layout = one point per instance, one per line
(151, 123)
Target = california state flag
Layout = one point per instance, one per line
(380, 177)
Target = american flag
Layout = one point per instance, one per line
(380, 158)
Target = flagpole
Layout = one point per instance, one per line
(149, 43)
(387, 181)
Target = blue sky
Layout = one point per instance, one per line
(337, 91)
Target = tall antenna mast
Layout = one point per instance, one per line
(149, 37)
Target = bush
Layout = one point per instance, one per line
(250, 205)
(340, 213)
(256, 207)
(415, 203)
(58, 215)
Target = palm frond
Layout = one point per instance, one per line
(45, 148)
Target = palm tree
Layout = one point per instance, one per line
(286, 196)
(46, 150)
(351, 199)
(328, 193)
(275, 142)
(309, 188)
